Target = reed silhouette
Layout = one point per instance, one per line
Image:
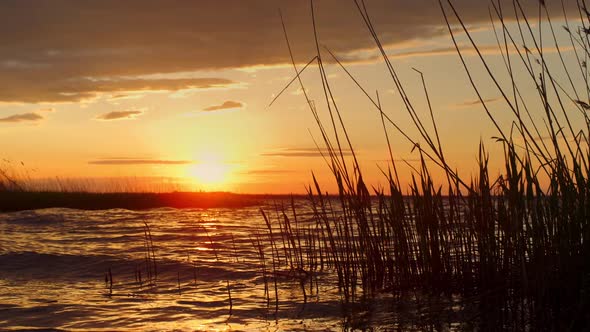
(516, 245)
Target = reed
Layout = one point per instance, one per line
(151, 265)
(178, 282)
(231, 304)
(512, 244)
(109, 281)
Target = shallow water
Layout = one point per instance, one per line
(53, 265)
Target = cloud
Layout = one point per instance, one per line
(373, 55)
(25, 117)
(226, 105)
(132, 161)
(475, 102)
(302, 152)
(117, 97)
(267, 172)
(401, 160)
(71, 50)
(469, 50)
(119, 115)
(28, 89)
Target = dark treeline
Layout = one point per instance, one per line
(29, 200)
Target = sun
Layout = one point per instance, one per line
(210, 173)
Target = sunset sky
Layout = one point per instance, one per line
(180, 90)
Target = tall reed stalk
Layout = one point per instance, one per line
(517, 244)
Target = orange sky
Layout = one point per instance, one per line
(179, 91)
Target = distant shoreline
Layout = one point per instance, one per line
(23, 200)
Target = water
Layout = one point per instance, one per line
(53, 265)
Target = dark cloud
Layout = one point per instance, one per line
(132, 161)
(465, 49)
(28, 89)
(399, 160)
(26, 117)
(476, 102)
(226, 105)
(121, 96)
(71, 50)
(302, 152)
(119, 115)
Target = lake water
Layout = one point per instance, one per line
(56, 268)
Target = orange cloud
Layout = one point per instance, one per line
(119, 115)
(26, 117)
(226, 105)
(302, 152)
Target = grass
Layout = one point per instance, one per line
(517, 244)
